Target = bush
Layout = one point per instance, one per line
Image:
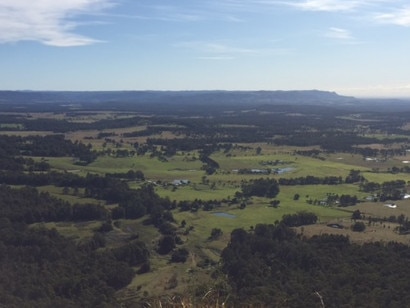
(105, 227)
(358, 226)
(166, 244)
(215, 234)
(180, 255)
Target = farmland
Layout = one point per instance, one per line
(192, 171)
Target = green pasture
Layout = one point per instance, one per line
(77, 231)
(11, 126)
(70, 196)
(385, 177)
(177, 167)
(196, 191)
(303, 165)
(256, 213)
(318, 192)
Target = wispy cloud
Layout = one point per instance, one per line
(326, 5)
(400, 17)
(214, 50)
(339, 34)
(50, 22)
(174, 13)
(193, 12)
(223, 50)
(217, 58)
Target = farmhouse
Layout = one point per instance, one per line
(180, 182)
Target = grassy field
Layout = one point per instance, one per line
(166, 277)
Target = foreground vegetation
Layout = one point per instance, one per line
(258, 205)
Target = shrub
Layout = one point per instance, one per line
(358, 226)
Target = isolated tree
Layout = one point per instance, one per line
(275, 203)
(180, 255)
(356, 215)
(358, 226)
(166, 244)
(215, 234)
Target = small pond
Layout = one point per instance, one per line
(225, 215)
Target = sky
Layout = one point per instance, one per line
(352, 47)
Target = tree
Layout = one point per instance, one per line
(275, 203)
(356, 215)
(105, 227)
(358, 226)
(215, 234)
(166, 244)
(180, 255)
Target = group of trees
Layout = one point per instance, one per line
(40, 268)
(263, 187)
(273, 266)
(27, 205)
(45, 146)
(312, 180)
(354, 176)
(390, 190)
(299, 219)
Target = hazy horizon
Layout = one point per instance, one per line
(354, 48)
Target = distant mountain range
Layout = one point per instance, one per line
(134, 99)
(200, 97)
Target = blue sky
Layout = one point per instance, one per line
(353, 47)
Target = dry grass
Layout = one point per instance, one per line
(376, 232)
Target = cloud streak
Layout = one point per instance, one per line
(339, 34)
(50, 22)
(327, 5)
(215, 50)
(220, 50)
(399, 17)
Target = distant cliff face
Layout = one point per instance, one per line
(133, 100)
(200, 97)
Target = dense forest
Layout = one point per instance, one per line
(272, 266)
(40, 268)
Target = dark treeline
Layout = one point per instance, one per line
(45, 146)
(299, 219)
(261, 188)
(20, 163)
(312, 180)
(129, 175)
(133, 203)
(273, 267)
(27, 205)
